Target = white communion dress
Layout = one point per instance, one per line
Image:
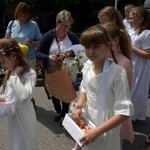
(117, 101)
(22, 124)
(141, 74)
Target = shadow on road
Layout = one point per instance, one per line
(141, 131)
(45, 117)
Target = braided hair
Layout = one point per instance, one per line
(10, 47)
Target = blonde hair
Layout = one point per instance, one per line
(10, 47)
(64, 15)
(142, 12)
(124, 40)
(96, 35)
(112, 13)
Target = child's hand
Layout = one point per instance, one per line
(18, 70)
(90, 136)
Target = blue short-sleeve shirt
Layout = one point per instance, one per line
(20, 32)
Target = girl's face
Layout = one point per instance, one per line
(96, 53)
(22, 18)
(103, 19)
(8, 62)
(127, 11)
(135, 21)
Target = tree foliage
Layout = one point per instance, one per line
(84, 11)
(57, 5)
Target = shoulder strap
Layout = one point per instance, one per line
(11, 26)
(57, 42)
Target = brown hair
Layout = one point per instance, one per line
(129, 6)
(10, 47)
(24, 8)
(142, 12)
(112, 13)
(96, 35)
(124, 40)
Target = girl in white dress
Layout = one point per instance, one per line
(104, 92)
(140, 38)
(126, 22)
(18, 85)
(122, 51)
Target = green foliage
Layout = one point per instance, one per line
(84, 12)
(76, 62)
(50, 5)
(43, 5)
(64, 4)
(2, 70)
(67, 2)
(6, 1)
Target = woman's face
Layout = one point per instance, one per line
(8, 62)
(22, 18)
(64, 26)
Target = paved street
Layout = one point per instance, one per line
(52, 137)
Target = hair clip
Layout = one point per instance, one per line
(2, 51)
(16, 46)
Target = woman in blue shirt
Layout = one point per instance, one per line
(25, 31)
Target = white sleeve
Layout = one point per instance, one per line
(123, 104)
(8, 94)
(24, 87)
(145, 38)
(7, 108)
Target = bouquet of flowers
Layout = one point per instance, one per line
(2, 70)
(76, 64)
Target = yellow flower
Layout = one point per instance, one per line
(24, 48)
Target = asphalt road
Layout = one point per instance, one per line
(52, 137)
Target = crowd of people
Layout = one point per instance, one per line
(116, 74)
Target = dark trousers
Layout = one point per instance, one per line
(60, 107)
